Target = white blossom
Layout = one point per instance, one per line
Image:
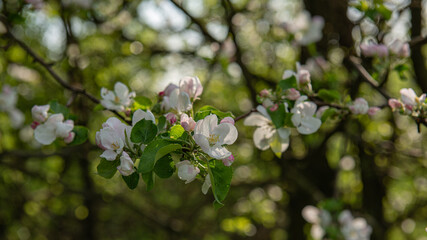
(211, 136)
(302, 117)
(118, 99)
(54, 127)
(410, 99)
(111, 138)
(187, 171)
(39, 113)
(266, 135)
(359, 106)
(191, 86)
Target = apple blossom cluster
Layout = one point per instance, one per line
(167, 137)
(8, 99)
(289, 107)
(410, 104)
(336, 225)
(47, 127)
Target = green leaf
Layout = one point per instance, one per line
(278, 116)
(144, 132)
(148, 179)
(131, 180)
(98, 107)
(220, 178)
(288, 120)
(106, 168)
(207, 110)
(385, 12)
(81, 135)
(217, 205)
(329, 95)
(290, 82)
(166, 150)
(177, 131)
(56, 107)
(161, 123)
(164, 167)
(141, 102)
(153, 152)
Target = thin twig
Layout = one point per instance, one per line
(366, 76)
(245, 115)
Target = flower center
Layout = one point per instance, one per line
(117, 99)
(115, 145)
(213, 139)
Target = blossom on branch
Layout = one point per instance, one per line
(111, 138)
(126, 165)
(54, 127)
(211, 136)
(303, 116)
(117, 100)
(266, 135)
(187, 171)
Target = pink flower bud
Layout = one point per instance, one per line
(162, 93)
(171, 118)
(70, 138)
(394, 103)
(303, 77)
(292, 94)
(227, 120)
(34, 124)
(373, 110)
(360, 106)
(274, 107)
(187, 122)
(169, 89)
(370, 50)
(264, 93)
(228, 161)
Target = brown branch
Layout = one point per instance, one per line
(419, 40)
(196, 21)
(245, 115)
(366, 76)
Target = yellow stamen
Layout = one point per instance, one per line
(213, 139)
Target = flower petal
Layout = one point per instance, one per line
(121, 90)
(262, 137)
(219, 152)
(109, 155)
(309, 125)
(278, 144)
(202, 141)
(45, 134)
(256, 119)
(227, 133)
(263, 111)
